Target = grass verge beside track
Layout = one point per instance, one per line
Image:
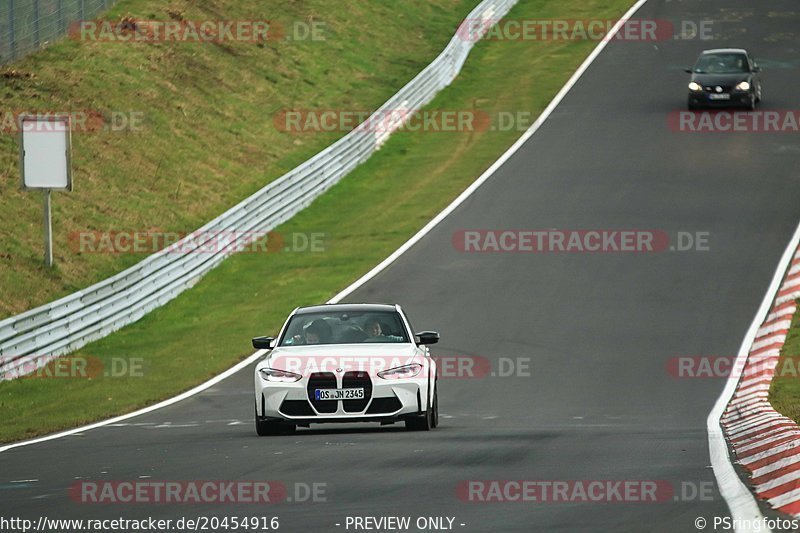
(784, 392)
(364, 218)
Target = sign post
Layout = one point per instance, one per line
(44, 152)
(48, 230)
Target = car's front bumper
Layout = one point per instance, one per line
(385, 400)
(705, 99)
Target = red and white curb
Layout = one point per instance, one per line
(765, 442)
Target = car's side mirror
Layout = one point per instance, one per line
(263, 343)
(427, 337)
(756, 69)
(688, 70)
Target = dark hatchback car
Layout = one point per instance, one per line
(724, 77)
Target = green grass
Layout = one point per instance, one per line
(784, 391)
(205, 138)
(365, 217)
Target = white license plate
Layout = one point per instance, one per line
(723, 96)
(339, 394)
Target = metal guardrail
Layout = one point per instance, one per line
(31, 339)
(28, 25)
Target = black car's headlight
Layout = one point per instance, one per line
(743, 86)
(694, 86)
(279, 376)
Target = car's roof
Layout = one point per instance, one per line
(345, 308)
(725, 51)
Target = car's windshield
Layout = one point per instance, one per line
(724, 63)
(344, 328)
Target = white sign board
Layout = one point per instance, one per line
(45, 152)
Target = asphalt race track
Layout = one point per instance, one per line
(598, 328)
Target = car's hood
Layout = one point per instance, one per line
(720, 79)
(367, 357)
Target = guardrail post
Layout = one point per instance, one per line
(48, 230)
(82, 10)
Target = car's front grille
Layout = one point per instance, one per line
(384, 405)
(352, 380)
(322, 380)
(296, 408)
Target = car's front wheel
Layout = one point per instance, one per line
(267, 428)
(427, 420)
(435, 406)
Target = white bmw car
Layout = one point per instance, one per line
(346, 363)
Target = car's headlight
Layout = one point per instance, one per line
(693, 86)
(279, 376)
(744, 86)
(401, 372)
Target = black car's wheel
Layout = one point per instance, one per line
(691, 106)
(423, 422)
(751, 104)
(758, 94)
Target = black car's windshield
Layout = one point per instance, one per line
(724, 63)
(344, 328)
